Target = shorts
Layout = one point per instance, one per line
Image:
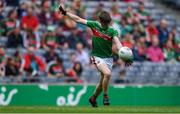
(97, 61)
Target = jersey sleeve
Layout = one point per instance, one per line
(115, 33)
(92, 24)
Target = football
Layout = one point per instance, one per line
(125, 53)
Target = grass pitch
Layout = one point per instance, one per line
(81, 109)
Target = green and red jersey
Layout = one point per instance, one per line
(101, 39)
(50, 40)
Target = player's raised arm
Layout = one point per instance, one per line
(72, 16)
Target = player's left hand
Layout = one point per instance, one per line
(62, 10)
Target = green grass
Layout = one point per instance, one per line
(81, 109)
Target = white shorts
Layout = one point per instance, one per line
(97, 61)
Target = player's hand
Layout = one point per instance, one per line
(128, 63)
(62, 10)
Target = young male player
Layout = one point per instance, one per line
(101, 55)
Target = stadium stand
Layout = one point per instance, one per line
(142, 26)
(172, 3)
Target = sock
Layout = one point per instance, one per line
(105, 95)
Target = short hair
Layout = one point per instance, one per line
(11, 12)
(105, 17)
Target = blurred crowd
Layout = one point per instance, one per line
(35, 25)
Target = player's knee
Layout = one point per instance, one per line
(107, 74)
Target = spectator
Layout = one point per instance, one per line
(139, 50)
(151, 31)
(22, 9)
(33, 65)
(138, 30)
(174, 41)
(142, 14)
(115, 14)
(72, 58)
(75, 37)
(163, 32)
(125, 27)
(30, 21)
(128, 41)
(15, 39)
(78, 68)
(87, 37)
(46, 15)
(50, 55)
(176, 45)
(78, 8)
(75, 72)
(11, 68)
(11, 22)
(99, 8)
(60, 36)
(18, 61)
(49, 39)
(2, 62)
(31, 38)
(81, 55)
(55, 68)
(169, 52)
(175, 38)
(154, 52)
(130, 15)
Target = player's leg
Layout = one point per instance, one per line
(105, 83)
(98, 89)
(97, 61)
(103, 66)
(97, 92)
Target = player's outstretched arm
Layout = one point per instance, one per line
(76, 18)
(72, 16)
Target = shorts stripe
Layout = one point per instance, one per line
(93, 61)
